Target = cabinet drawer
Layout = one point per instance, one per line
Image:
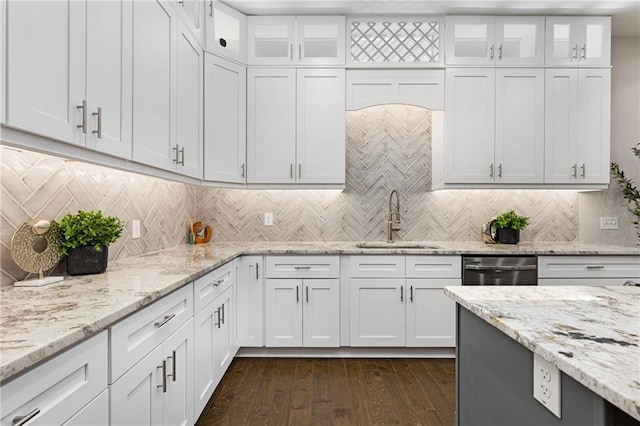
(377, 266)
(135, 336)
(434, 267)
(207, 288)
(303, 266)
(589, 267)
(59, 388)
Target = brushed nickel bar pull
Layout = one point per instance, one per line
(242, 167)
(217, 311)
(491, 170)
(302, 268)
(500, 170)
(575, 170)
(291, 51)
(257, 273)
(583, 52)
(222, 307)
(211, 8)
(299, 170)
(500, 52)
(491, 52)
(181, 151)
(307, 289)
(411, 294)
(22, 420)
(166, 319)
(402, 293)
(574, 53)
(164, 376)
(291, 170)
(595, 266)
(300, 51)
(582, 170)
(220, 281)
(297, 295)
(98, 114)
(173, 361)
(83, 107)
(175, 153)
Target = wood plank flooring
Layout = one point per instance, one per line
(318, 391)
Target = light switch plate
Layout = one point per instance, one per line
(609, 222)
(135, 229)
(546, 385)
(268, 219)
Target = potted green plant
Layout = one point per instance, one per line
(629, 190)
(86, 237)
(508, 226)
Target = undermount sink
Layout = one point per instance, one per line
(396, 245)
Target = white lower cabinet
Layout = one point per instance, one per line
(588, 270)
(158, 390)
(60, 389)
(399, 301)
(250, 313)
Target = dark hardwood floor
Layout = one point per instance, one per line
(318, 391)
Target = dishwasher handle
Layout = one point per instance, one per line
(473, 267)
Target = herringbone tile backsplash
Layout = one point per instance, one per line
(388, 147)
(36, 185)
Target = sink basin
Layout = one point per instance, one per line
(396, 245)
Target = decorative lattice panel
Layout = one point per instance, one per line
(395, 41)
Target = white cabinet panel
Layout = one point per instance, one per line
(578, 41)
(225, 123)
(226, 31)
(430, 313)
(212, 285)
(302, 266)
(433, 266)
(178, 353)
(189, 94)
(271, 40)
(469, 123)
(377, 312)
(519, 133)
(320, 40)
(95, 413)
(321, 313)
(470, 40)
(192, 12)
(283, 313)
(46, 68)
(208, 338)
(570, 267)
(321, 122)
(519, 40)
(271, 125)
(250, 311)
(376, 266)
(154, 34)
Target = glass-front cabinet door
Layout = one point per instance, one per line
(578, 41)
(271, 40)
(321, 40)
(470, 40)
(519, 40)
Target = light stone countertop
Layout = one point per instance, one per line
(36, 323)
(592, 334)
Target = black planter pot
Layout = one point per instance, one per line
(87, 260)
(508, 235)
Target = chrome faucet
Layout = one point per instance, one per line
(394, 216)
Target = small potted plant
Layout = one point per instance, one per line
(508, 226)
(86, 237)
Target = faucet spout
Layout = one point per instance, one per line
(393, 223)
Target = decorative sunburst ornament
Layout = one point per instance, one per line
(35, 247)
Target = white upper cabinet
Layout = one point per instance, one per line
(578, 41)
(577, 129)
(226, 31)
(287, 40)
(193, 16)
(69, 72)
(488, 40)
(225, 103)
(494, 125)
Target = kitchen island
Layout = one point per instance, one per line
(591, 334)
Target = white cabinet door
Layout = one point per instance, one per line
(109, 78)
(271, 40)
(577, 41)
(377, 312)
(320, 40)
(519, 137)
(46, 68)
(189, 94)
(469, 123)
(321, 133)
(283, 313)
(178, 352)
(577, 129)
(193, 16)
(225, 103)
(430, 314)
(154, 29)
(321, 313)
(271, 125)
(594, 125)
(136, 398)
(519, 40)
(95, 413)
(470, 40)
(226, 31)
(249, 290)
(561, 125)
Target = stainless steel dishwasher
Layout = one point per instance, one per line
(499, 270)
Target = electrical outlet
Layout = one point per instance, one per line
(608, 223)
(546, 385)
(268, 219)
(135, 229)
